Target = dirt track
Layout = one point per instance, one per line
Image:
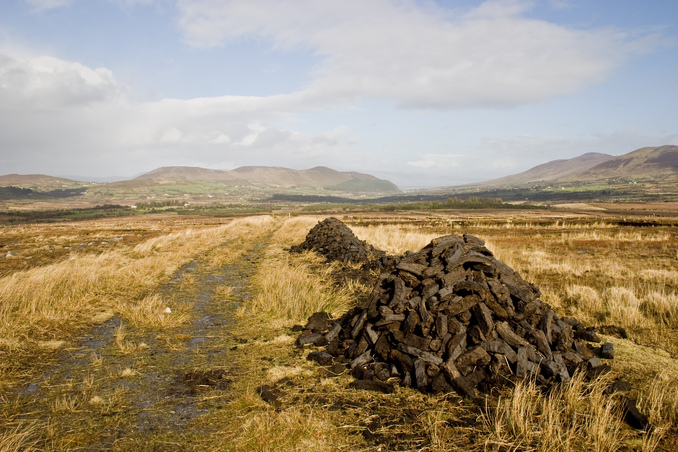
(122, 388)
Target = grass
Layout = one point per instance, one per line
(288, 288)
(575, 416)
(53, 301)
(590, 268)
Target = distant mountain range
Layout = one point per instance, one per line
(650, 162)
(180, 180)
(319, 177)
(259, 182)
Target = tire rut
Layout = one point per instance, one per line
(148, 389)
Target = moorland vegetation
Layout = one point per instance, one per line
(62, 281)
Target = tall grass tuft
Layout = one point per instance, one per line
(574, 416)
(295, 286)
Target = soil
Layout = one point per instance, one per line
(148, 390)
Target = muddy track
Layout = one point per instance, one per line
(122, 388)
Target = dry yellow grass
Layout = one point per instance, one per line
(50, 302)
(22, 438)
(575, 416)
(394, 240)
(294, 429)
(152, 312)
(597, 272)
(294, 286)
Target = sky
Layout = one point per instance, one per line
(420, 92)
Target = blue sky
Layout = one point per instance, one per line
(423, 93)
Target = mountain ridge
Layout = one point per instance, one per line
(655, 162)
(658, 162)
(319, 177)
(247, 178)
(551, 171)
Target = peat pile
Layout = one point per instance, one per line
(334, 240)
(452, 317)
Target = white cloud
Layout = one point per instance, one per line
(73, 119)
(44, 82)
(416, 54)
(221, 138)
(171, 135)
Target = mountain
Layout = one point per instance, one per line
(319, 177)
(650, 162)
(656, 163)
(552, 171)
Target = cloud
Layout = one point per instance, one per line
(42, 82)
(418, 55)
(74, 119)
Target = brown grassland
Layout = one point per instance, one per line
(91, 358)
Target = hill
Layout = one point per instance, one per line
(650, 162)
(40, 182)
(551, 171)
(319, 177)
